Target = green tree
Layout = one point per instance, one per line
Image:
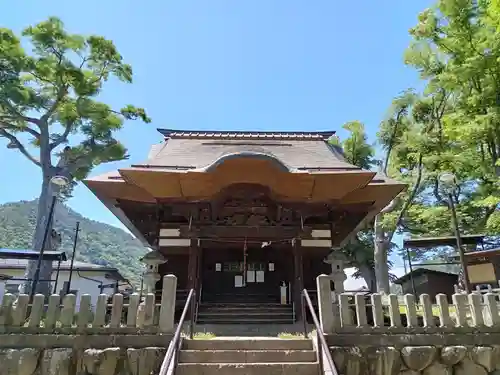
(456, 50)
(358, 151)
(49, 110)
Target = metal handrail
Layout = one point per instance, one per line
(174, 346)
(322, 345)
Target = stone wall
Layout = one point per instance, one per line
(417, 360)
(69, 361)
(409, 360)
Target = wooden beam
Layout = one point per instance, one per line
(242, 232)
(298, 284)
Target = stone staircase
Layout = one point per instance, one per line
(248, 313)
(245, 356)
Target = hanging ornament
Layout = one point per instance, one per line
(245, 262)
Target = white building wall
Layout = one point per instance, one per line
(80, 281)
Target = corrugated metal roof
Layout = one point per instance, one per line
(22, 263)
(31, 254)
(423, 242)
(220, 134)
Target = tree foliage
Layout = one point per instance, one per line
(50, 112)
(455, 121)
(360, 251)
(49, 96)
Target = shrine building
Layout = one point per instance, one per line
(247, 219)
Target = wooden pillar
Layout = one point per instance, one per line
(298, 283)
(194, 251)
(199, 272)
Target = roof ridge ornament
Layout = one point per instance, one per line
(249, 134)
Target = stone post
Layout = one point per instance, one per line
(152, 260)
(167, 309)
(325, 305)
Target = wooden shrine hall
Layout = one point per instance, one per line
(244, 218)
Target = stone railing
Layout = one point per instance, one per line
(62, 324)
(394, 335)
(386, 314)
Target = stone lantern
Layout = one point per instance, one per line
(151, 276)
(337, 260)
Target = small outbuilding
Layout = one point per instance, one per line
(428, 281)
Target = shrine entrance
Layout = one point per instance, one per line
(291, 197)
(235, 275)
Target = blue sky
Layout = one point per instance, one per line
(233, 65)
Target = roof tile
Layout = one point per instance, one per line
(171, 133)
(296, 154)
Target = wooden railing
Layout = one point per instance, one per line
(323, 349)
(170, 360)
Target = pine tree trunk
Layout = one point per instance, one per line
(368, 275)
(44, 204)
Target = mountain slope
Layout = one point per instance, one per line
(98, 243)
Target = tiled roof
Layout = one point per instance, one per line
(268, 135)
(191, 153)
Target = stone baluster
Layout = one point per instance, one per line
(492, 312)
(427, 315)
(116, 311)
(100, 311)
(139, 322)
(345, 311)
(6, 310)
(53, 311)
(149, 310)
(394, 312)
(68, 310)
(36, 310)
(359, 300)
(411, 311)
(444, 310)
(460, 303)
(19, 317)
(377, 310)
(84, 312)
(476, 309)
(133, 307)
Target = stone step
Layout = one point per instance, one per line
(244, 319)
(247, 307)
(244, 312)
(247, 344)
(246, 356)
(244, 304)
(297, 368)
